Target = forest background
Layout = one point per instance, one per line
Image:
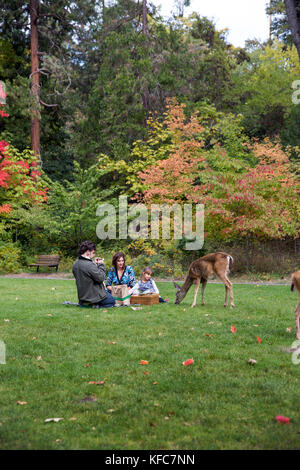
(103, 99)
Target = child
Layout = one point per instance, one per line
(146, 285)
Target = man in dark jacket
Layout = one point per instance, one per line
(89, 277)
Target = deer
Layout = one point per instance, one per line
(218, 263)
(296, 283)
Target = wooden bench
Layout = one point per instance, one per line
(46, 260)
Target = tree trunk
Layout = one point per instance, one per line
(35, 85)
(294, 21)
(145, 24)
(247, 253)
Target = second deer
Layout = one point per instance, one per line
(199, 271)
(296, 283)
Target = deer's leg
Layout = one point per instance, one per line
(196, 292)
(204, 282)
(228, 288)
(297, 314)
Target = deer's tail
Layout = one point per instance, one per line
(230, 262)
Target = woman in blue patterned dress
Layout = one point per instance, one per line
(120, 273)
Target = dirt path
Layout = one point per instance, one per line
(69, 276)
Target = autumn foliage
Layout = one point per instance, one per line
(240, 199)
(21, 184)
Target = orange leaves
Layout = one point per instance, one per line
(143, 363)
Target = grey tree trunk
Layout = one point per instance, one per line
(294, 21)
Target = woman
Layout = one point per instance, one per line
(120, 273)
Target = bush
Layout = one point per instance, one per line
(10, 255)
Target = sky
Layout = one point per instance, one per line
(245, 19)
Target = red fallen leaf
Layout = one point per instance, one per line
(188, 362)
(144, 363)
(283, 419)
(258, 339)
(101, 382)
(233, 329)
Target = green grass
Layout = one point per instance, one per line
(219, 402)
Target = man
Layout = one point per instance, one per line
(89, 277)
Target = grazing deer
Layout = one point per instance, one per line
(199, 271)
(296, 283)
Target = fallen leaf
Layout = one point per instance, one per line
(39, 358)
(143, 363)
(289, 329)
(146, 373)
(21, 402)
(33, 338)
(188, 362)
(100, 382)
(55, 420)
(7, 320)
(283, 419)
(152, 424)
(53, 288)
(252, 361)
(72, 419)
(258, 339)
(209, 335)
(88, 399)
(155, 383)
(110, 411)
(112, 342)
(49, 315)
(166, 418)
(88, 365)
(233, 329)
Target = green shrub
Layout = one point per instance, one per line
(10, 255)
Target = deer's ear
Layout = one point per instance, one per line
(176, 285)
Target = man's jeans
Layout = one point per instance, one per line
(109, 301)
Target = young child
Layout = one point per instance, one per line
(146, 285)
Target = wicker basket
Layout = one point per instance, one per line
(146, 299)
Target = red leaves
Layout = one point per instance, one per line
(188, 362)
(233, 329)
(143, 363)
(258, 339)
(283, 419)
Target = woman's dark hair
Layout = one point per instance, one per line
(115, 258)
(86, 246)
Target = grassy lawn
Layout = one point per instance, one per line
(219, 402)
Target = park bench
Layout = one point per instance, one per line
(46, 260)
